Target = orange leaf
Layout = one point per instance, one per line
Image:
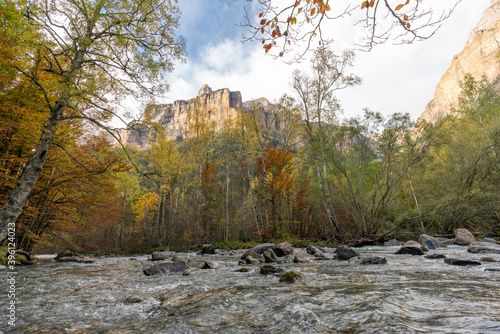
(364, 4)
(407, 2)
(276, 19)
(398, 7)
(308, 1)
(263, 41)
(313, 11)
(408, 25)
(278, 32)
(274, 42)
(263, 21)
(299, 10)
(262, 30)
(405, 17)
(281, 54)
(322, 10)
(261, 14)
(297, 3)
(372, 3)
(274, 33)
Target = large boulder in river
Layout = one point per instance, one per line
(429, 242)
(208, 249)
(316, 251)
(259, 249)
(303, 258)
(483, 247)
(164, 268)
(463, 237)
(272, 270)
(345, 252)
(283, 249)
(412, 247)
(270, 256)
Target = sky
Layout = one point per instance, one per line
(396, 78)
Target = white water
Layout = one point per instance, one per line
(409, 294)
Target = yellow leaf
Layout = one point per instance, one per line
(272, 25)
(364, 4)
(313, 11)
(405, 17)
(300, 9)
(308, 1)
(398, 7)
(327, 7)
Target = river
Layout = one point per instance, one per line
(409, 294)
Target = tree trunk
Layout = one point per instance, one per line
(13, 206)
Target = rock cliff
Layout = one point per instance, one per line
(480, 57)
(214, 106)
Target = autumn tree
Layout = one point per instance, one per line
(296, 26)
(97, 52)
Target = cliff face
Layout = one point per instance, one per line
(215, 106)
(480, 57)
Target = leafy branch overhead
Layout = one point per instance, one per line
(294, 27)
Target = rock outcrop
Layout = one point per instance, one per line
(213, 107)
(480, 57)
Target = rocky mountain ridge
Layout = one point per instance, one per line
(480, 57)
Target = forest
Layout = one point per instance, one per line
(309, 175)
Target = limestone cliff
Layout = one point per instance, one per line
(480, 57)
(215, 107)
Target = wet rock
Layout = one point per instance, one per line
(316, 251)
(270, 256)
(429, 242)
(243, 269)
(251, 260)
(283, 249)
(20, 252)
(207, 249)
(411, 249)
(67, 253)
(392, 243)
(303, 258)
(492, 269)
(490, 240)
(210, 265)
(272, 270)
(259, 249)
(488, 259)
(435, 256)
(483, 247)
(463, 237)
(132, 300)
(290, 277)
(345, 252)
(459, 262)
(160, 256)
(164, 268)
(363, 260)
(76, 259)
(286, 259)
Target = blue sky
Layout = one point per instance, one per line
(396, 78)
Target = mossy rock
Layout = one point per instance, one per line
(290, 277)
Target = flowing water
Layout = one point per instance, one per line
(409, 294)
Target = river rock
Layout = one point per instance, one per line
(160, 256)
(362, 260)
(21, 252)
(392, 243)
(283, 249)
(270, 256)
(411, 249)
(67, 253)
(259, 249)
(444, 242)
(243, 269)
(272, 270)
(429, 242)
(492, 269)
(76, 259)
(463, 237)
(459, 262)
(316, 251)
(345, 253)
(290, 277)
(164, 268)
(487, 259)
(435, 256)
(210, 265)
(490, 240)
(303, 258)
(483, 247)
(207, 249)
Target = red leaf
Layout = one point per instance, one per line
(263, 21)
(261, 14)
